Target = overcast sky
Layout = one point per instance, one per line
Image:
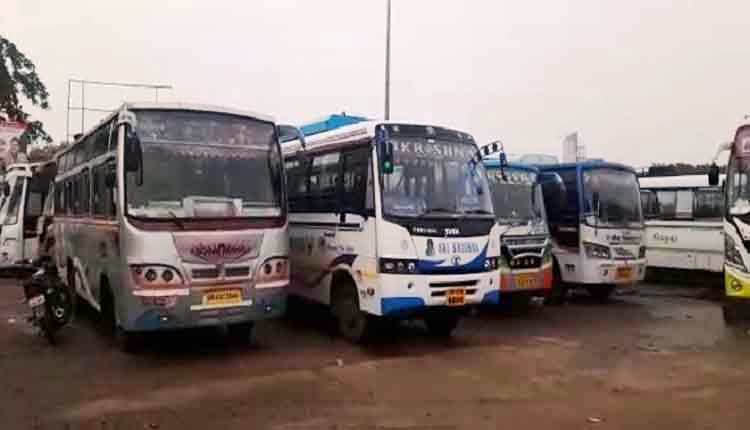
(642, 80)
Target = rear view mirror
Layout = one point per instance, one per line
(713, 175)
(6, 189)
(110, 180)
(553, 191)
(133, 153)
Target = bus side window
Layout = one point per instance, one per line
(296, 171)
(355, 176)
(85, 192)
(667, 203)
(324, 183)
(708, 203)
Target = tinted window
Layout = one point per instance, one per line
(709, 203)
(296, 172)
(102, 196)
(355, 179)
(324, 182)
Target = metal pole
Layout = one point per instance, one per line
(83, 108)
(67, 115)
(388, 63)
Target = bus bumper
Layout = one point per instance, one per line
(736, 285)
(405, 296)
(187, 312)
(535, 281)
(618, 272)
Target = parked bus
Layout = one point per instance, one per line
(736, 223)
(684, 228)
(597, 235)
(173, 216)
(526, 249)
(391, 220)
(23, 194)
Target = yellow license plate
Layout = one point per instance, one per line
(526, 281)
(624, 272)
(223, 297)
(456, 297)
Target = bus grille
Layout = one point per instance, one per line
(236, 272)
(454, 284)
(210, 273)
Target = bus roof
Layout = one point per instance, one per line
(168, 106)
(331, 122)
(679, 181)
(345, 134)
(494, 163)
(587, 164)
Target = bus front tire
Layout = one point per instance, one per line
(123, 340)
(442, 324)
(354, 325)
(559, 293)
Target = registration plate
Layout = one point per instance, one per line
(223, 297)
(526, 281)
(456, 297)
(36, 301)
(624, 272)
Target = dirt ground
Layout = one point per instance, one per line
(650, 360)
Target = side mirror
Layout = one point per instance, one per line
(133, 152)
(110, 180)
(713, 175)
(595, 202)
(6, 189)
(553, 191)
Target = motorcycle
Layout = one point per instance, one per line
(50, 300)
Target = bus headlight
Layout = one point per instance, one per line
(400, 266)
(594, 250)
(274, 272)
(491, 263)
(732, 253)
(155, 276)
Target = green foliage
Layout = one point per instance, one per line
(45, 152)
(18, 79)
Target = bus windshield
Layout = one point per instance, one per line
(517, 197)
(205, 165)
(619, 199)
(433, 178)
(738, 186)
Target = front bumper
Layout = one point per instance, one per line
(619, 272)
(538, 280)
(736, 284)
(407, 295)
(188, 311)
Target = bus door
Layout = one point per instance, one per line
(11, 233)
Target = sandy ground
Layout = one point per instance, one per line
(642, 361)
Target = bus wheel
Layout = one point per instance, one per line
(124, 341)
(559, 293)
(442, 324)
(356, 326)
(601, 293)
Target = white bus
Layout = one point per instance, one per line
(173, 216)
(597, 235)
(391, 220)
(23, 194)
(684, 226)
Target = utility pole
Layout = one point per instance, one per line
(388, 63)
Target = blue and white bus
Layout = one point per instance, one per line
(390, 220)
(598, 234)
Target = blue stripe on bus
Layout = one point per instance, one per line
(400, 306)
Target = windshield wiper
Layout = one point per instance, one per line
(477, 211)
(177, 220)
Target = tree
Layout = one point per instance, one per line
(45, 152)
(18, 79)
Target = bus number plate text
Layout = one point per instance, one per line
(456, 297)
(223, 297)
